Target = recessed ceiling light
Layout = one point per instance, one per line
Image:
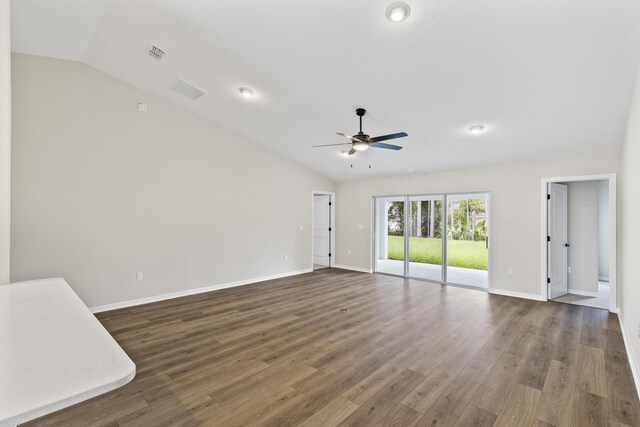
(476, 129)
(246, 92)
(360, 146)
(398, 12)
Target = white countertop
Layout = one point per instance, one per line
(53, 351)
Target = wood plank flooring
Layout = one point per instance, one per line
(406, 353)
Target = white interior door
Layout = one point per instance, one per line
(321, 229)
(557, 261)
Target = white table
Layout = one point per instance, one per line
(53, 351)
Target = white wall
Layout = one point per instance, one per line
(629, 226)
(102, 191)
(515, 212)
(603, 230)
(583, 236)
(5, 139)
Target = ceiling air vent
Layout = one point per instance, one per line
(187, 89)
(156, 53)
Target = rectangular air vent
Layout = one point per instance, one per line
(156, 53)
(187, 89)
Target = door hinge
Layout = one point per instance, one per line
(548, 238)
(329, 228)
(329, 254)
(329, 203)
(548, 196)
(548, 280)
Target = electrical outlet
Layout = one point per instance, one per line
(286, 257)
(349, 252)
(139, 276)
(360, 227)
(300, 226)
(509, 271)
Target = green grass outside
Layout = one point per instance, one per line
(461, 253)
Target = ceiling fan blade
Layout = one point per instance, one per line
(386, 137)
(387, 146)
(352, 151)
(330, 145)
(351, 138)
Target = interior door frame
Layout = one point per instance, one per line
(332, 220)
(612, 179)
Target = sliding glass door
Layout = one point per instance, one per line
(467, 240)
(389, 229)
(442, 238)
(425, 237)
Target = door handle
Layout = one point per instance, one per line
(566, 245)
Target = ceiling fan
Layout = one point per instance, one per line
(362, 141)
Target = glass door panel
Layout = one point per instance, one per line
(425, 237)
(467, 242)
(389, 235)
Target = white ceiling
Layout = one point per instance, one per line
(546, 77)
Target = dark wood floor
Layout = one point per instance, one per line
(405, 353)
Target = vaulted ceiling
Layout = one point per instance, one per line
(546, 77)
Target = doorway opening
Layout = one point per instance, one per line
(579, 229)
(323, 214)
(442, 238)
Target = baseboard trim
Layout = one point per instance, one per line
(172, 295)
(516, 294)
(583, 293)
(348, 267)
(630, 354)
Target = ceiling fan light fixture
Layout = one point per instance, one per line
(398, 12)
(360, 146)
(246, 92)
